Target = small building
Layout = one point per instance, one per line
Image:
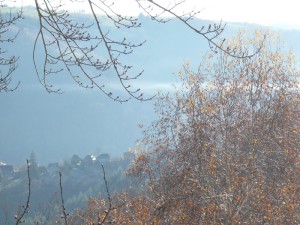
(88, 160)
(53, 168)
(42, 170)
(76, 161)
(6, 170)
(103, 158)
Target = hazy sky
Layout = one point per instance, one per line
(84, 122)
(265, 12)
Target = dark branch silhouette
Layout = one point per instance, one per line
(64, 211)
(110, 207)
(76, 47)
(19, 217)
(211, 33)
(100, 210)
(63, 45)
(70, 46)
(8, 63)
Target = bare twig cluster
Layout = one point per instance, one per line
(70, 46)
(101, 216)
(8, 63)
(212, 32)
(77, 48)
(90, 53)
(100, 211)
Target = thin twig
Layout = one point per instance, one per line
(108, 197)
(65, 215)
(19, 218)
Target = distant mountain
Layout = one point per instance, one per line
(82, 121)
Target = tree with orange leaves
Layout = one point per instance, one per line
(225, 149)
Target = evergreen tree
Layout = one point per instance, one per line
(34, 169)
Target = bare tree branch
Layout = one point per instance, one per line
(65, 215)
(101, 221)
(63, 45)
(76, 47)
(8, 64)
(20, 217)
(70, 46)
(100, 211)
(211, 33)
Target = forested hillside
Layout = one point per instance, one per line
(82, 178)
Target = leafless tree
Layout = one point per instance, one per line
(71, 47)
(8, 63)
